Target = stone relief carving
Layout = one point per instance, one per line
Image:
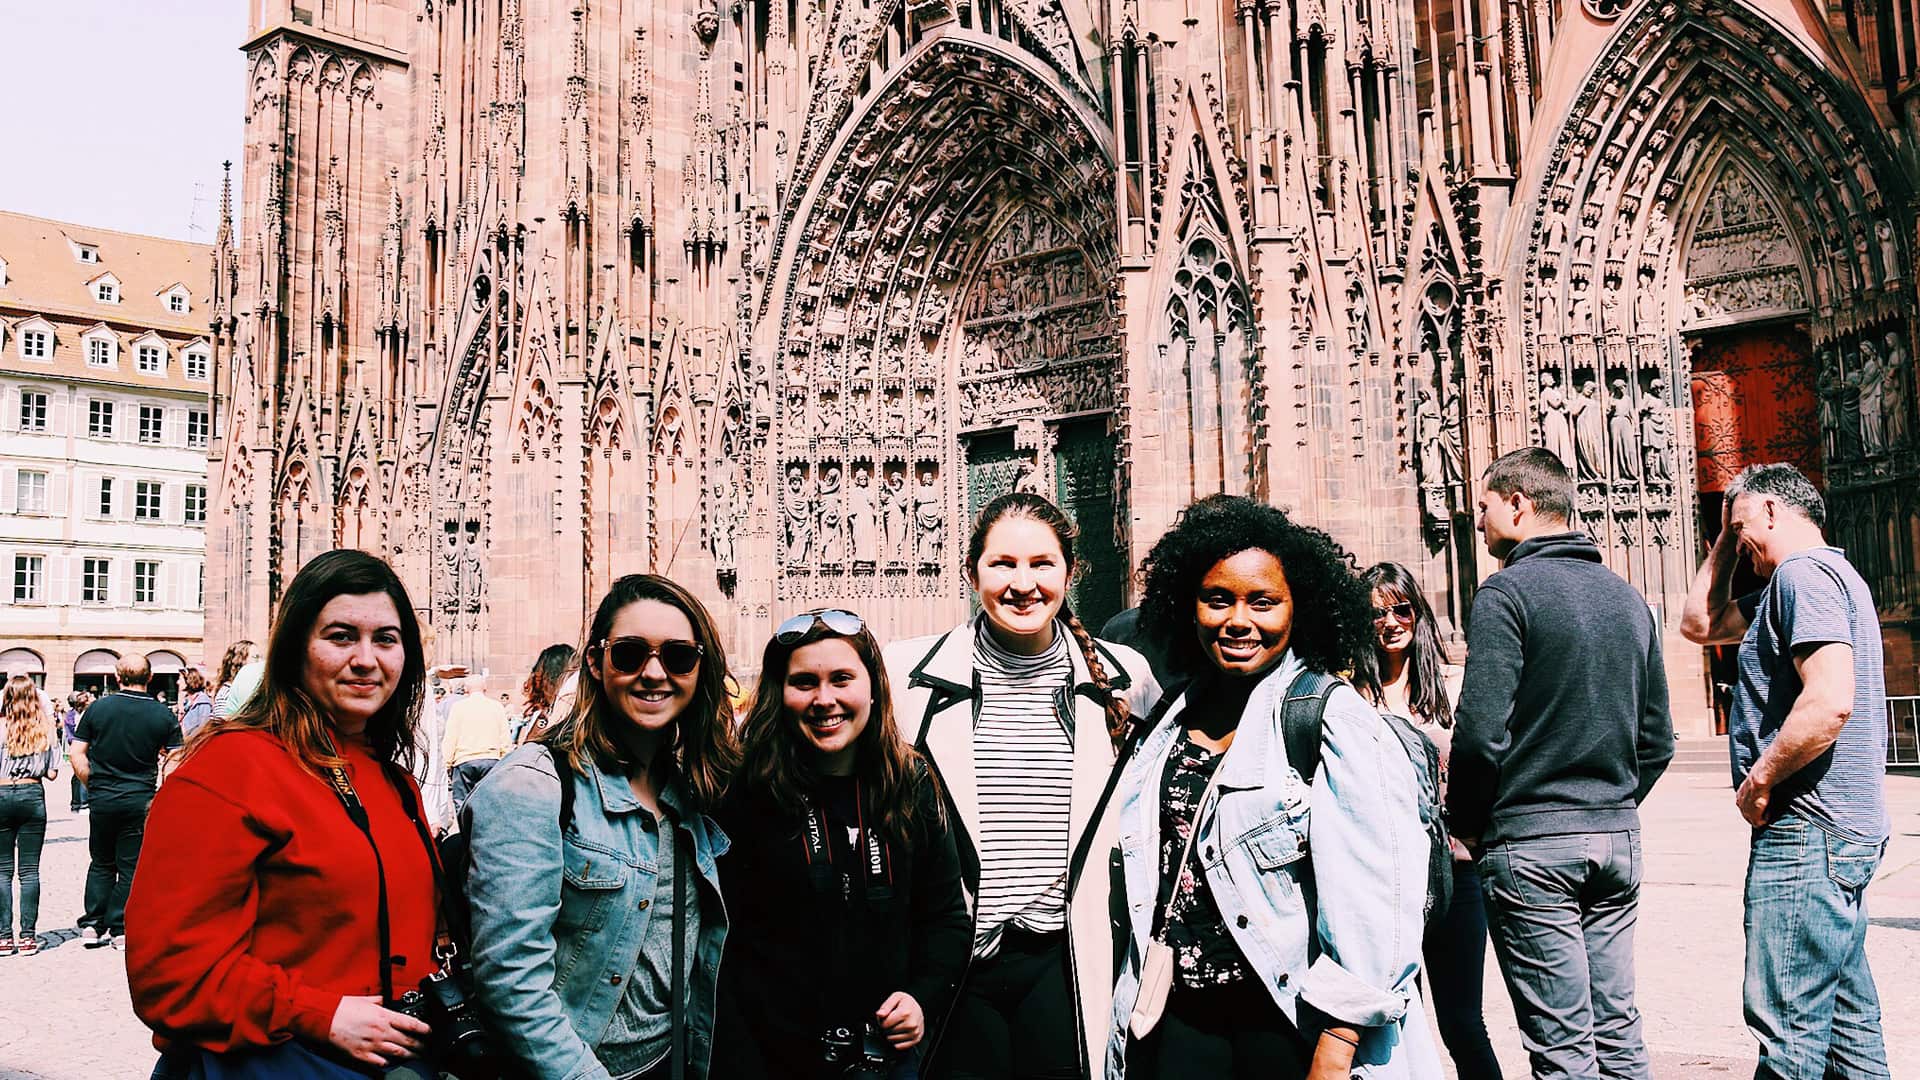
(1556, 423)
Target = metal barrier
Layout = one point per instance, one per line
(1903, 731)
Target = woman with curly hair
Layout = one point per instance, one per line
(1019, 711)
(1408, 676)
(842, 876)
(1275, 904)
(595, 897)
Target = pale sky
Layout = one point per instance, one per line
(118, 113)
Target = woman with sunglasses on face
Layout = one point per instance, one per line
(597, 922)
(1019, 711)
(1274, 922)
(286, 892)
(842, 877)
(1410, 677)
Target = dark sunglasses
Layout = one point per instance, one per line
(1402, 611)
(627, 655)
(844, 623)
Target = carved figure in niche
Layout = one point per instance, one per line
(1829, 395)
(1646, 307)
(1553, 243)
(924, 419)
(1656, 434)
(1621, 433)
(1580, 312)
(797, 525)
(450, 570)
(1357, 329)
(863, 523)
(1589, 430)
(1895, 399)
(1872, 381)
(832, 518)
(1439, 442)
(1889, 252)
(930, 522)
(895, 508)
(1610, 308)
(725, 526)
(1549, 308)
(1658, 229)
(1556, 423)
(895, 422)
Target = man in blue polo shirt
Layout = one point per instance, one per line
(1809, 746)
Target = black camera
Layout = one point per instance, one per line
(865, 1056)
(459, 1042)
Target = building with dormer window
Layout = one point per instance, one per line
(104, 424)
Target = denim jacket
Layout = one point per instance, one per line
(1323, 888)
(559, 922)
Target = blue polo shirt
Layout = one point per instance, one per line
(1815, 597)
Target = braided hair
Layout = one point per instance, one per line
(1021, 504)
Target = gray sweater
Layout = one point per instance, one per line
(1562, 725)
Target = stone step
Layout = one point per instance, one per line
(1700, 755)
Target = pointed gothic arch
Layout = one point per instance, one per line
(1612, 278)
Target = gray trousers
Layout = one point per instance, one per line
(1561, 912)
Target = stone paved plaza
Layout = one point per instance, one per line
(67, 1016)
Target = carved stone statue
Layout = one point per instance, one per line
(1872, 381)
(1556, 423)
(1439, 442)
(930, 522)
(797, 524)
(1889, 252)
(725, 524)
(1621, 433)
(863, 524)
(1656, 435)
(1589, 431)
(895, 509)
(1896, 401)
(832, 517)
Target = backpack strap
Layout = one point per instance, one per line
(565, 772)
(1300, 720)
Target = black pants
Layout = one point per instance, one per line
(113, 844)
(23, 831)
(1015, 1018)
(1232, 1032)
(1456, 955)
(79, 795)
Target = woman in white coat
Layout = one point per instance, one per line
(1020, 710)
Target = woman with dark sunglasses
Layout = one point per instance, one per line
(848, 925)
(597, 921)
(1411, 678)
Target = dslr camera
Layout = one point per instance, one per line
(862, 1055)
(459, 1043)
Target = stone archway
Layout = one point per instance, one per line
(1638, 264)
(946, 333)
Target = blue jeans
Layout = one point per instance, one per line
(23, 829)
(1561, 911)
(1809, 994)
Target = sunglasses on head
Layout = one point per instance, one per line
(627, 655)
(1402, 611)
(844, 623)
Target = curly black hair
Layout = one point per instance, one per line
(1332, 607)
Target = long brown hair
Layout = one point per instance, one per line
(233, 661)
(283, 708)
(1426, 682)
(776, 762)
(703, 744)
(1021, 504)
(29, 728)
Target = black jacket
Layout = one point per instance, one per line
(1562, 725)
(802, 957)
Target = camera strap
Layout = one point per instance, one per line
(875, 853)
(343, 787)
(677, 1031)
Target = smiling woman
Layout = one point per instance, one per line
(251, 947)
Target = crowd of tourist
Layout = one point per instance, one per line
(1012, 849)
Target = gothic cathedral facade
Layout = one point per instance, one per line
(771, 295)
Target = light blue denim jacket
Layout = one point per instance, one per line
(1322, 888)
(558, 923)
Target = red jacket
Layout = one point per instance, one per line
(254, 908)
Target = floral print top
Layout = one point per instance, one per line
(1204, 952)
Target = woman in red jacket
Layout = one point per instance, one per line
(268, 929)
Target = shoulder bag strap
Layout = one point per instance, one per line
(1186, 850)
(1300, 721)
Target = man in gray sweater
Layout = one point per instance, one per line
(1561, 730)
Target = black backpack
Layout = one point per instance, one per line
(1301, 717)
(456, 860)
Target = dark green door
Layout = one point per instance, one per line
(1083, 472)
